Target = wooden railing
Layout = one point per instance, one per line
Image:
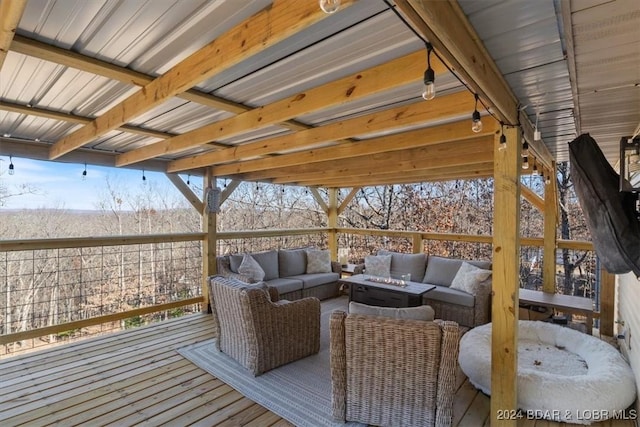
(247, 240)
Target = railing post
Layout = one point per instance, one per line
(209, 220)
(418, 245)
(332, 222)
(607, 302)
(506, 261)
(550, 239)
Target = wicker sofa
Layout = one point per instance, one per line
(259, 331)
(400, 372)
(464, 308)
(286, 271)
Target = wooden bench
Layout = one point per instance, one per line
(564, 303)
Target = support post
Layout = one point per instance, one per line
(506, 260)
(607, 302)
(209, 242)
(332, 223)
(418, 244)
(550, 237)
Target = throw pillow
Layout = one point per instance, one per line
(422, 312)
(250, 268)
(469, 277)
(318, 261)
(377, 265)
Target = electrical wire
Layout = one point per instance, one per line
(427, 43)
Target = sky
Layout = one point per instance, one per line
(60, 185)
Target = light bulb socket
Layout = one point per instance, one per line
(429, 76)
(12, 170)
(503, 139)
(475, 116)
(525, 162)
(525, 149)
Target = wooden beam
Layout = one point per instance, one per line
(530, 196)
(72, 59)
(457, 104)
(398, 72)
(10, 14)
(446, 154)
(447, 28)
(72, 118)
(316, 195)
(506, 261)
(607, 302)
(228, 191)
(209, 250)
(402, 141)
(332, 223)
(348, 199)
(550, 235)
(186, 191)
(283, 19)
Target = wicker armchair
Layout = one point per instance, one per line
(257, 330)
(389, 372)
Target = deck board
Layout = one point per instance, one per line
(136, 377)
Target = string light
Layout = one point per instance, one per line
(503, 138)
(525, 162)
(547, 180)
(12, 169)
(537, 136)
(329, 6)
(84, 173)
(429, 91)
(535, 170)
(144, 178)
(477, 122)
(525, 148)
(189, 179)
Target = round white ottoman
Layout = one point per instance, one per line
(563, 375)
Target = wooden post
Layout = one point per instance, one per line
(506, 260)
(550, 239)
(418, 244)
(332, 223)
(209, 221)
(607, 302)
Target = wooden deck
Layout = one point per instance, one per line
(136, 377)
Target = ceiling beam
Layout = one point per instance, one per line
(72, 118)
(36, 49)
(448, 106)
(448, 154)
(398, 72)
(264, 29)
(447, 28)
(402, 141)
(10, 15)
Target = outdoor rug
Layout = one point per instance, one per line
(299, 392)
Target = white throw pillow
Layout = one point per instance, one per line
(469, 277)
(377, 265)
(249, 267)
(318, 261)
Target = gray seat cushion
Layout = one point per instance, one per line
(292, 262)
(451, 296)
(441, 271)
(268, 261)
(285, 285)
(406, 263)
(316, 279)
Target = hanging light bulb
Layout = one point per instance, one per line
(535, 170)
(84, 173)
(429, 91)
(503, 138)
(329, 6)
(189, 179)
(525, 162)
(144, 178)
(537, 136)
(477, 122)
(12, 169)
(525, 149)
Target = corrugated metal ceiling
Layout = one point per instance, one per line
(526, 39)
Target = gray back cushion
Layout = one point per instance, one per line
(267, 260)
(441, 271)
(422, 312)
(292, 262)
(406, 263)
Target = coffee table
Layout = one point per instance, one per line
(363, 289)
